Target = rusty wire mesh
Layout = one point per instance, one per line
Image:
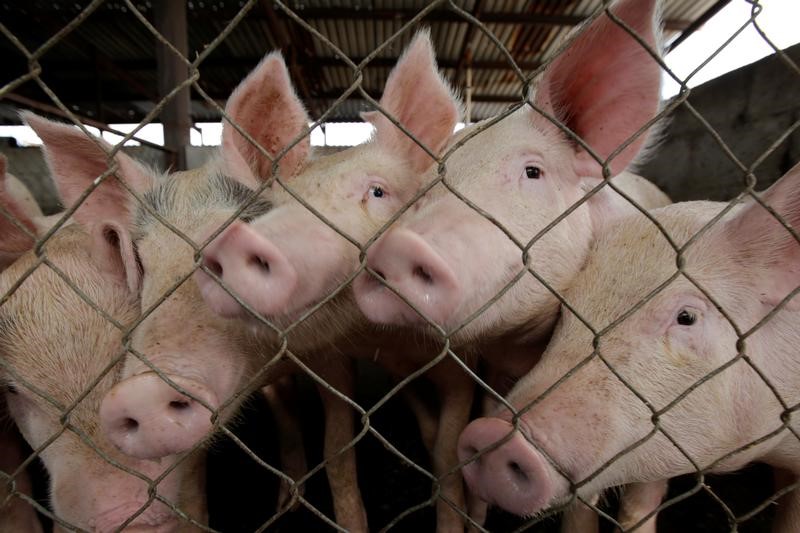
(281, 350)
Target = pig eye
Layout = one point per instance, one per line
(376, 191)
(686, 318)
(533, 172)
(11, 389)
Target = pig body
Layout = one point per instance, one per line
(16, 514)
(54, 348)
(430, 255)
(718, 384)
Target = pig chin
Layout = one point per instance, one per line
(381, 306)
(154, 519)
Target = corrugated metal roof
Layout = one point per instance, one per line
(106, 68)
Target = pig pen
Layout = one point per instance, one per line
(753, 113)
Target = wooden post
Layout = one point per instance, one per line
(170, 21)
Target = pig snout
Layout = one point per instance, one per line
(254, 268)
(145, 417)
(413, 268)
(513, 476)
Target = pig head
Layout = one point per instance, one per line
(517, 195)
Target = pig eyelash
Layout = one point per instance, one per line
(11, 389)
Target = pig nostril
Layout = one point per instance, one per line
(472, 451)
(214, 266)
(423, 274)
(260, 263)
(517, 471)
(179, 405)
(130, 425)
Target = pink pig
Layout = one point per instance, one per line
(523, 172)
(431, 255)
(57, 356)
(706, 359)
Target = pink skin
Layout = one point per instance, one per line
(513, 470)
(525, 173)
(87, 492)
(15, 513)
(431, 280)
(215, 362)
(157, 410)
(748, 262)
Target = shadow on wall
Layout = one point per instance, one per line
(750, 109)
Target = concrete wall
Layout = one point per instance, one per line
(750, 108)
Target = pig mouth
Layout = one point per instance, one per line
(381, 305)
(158, 520)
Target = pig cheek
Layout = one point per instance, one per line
(568, 423)
(203, 353)
(67, 476)
(321, 257)
(33, 426)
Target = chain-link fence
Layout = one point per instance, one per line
(148, 408)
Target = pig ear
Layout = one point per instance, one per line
(112, 250)
(419, 99)
(14, 239)
(75, 161)
(605, 85)
(763, 245)
(266, 106)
